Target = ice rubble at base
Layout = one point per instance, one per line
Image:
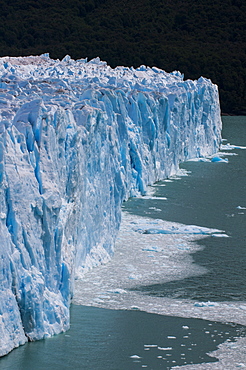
(153, 258)
(76, 139)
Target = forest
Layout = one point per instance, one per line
(196, 37)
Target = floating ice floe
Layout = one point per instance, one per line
(219, 159)
(165, 348)
(228, 146)
(190, 229)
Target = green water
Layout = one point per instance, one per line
(101, 339)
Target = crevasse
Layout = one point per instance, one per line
(78, 138)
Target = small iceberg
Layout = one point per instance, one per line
(219, 159)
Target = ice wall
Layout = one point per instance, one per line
(76, 139)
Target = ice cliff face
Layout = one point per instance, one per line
(76, 139)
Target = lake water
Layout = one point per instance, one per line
(177, 274)
(101, 339)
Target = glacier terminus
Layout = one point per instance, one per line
(77, 138)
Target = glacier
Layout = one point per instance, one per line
(77, 138)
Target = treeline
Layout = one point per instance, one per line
(197, 37)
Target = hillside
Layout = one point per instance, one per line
(204, 37)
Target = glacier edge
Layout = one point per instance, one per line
(78, 138)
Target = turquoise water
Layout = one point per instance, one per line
(102, 339)
(209, 196)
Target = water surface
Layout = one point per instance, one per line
(101, 339)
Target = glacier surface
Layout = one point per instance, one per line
(77, 138)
